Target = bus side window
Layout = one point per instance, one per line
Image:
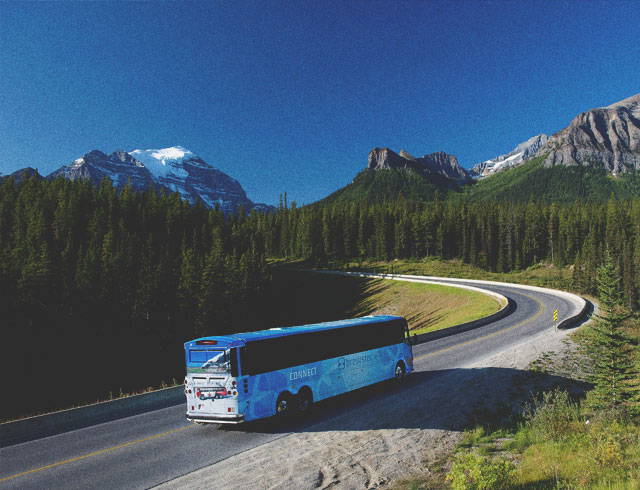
(233, 360)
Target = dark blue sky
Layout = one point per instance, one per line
(291, 96)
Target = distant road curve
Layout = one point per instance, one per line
(491, 288)
(159, 446)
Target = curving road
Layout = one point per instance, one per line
(148, 449)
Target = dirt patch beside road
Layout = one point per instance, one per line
(388, 433)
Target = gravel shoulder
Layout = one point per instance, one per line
(388, 433)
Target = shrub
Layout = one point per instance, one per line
(471, 471)
(553, 416)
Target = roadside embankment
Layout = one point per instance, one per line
(75, 418)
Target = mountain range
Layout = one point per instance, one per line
(173, 169)
(577, 161)
(596, 155)
(605, 138)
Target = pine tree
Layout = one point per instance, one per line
(607, 345)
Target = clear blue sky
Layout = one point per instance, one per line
(291, 96)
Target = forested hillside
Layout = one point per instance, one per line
(497, 235)
(562, 184)
(100, 289)
(374, 186)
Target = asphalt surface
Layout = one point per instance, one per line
(154, 447)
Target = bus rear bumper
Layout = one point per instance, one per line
(216, 419)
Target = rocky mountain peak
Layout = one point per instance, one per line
(384, 158)
(126, 158)
(630, 105)
(606, 137)
(444, 164)
(406, 155)
(439, 163)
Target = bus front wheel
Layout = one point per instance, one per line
(400, 370)
(283, 405)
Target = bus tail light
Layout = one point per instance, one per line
(206, 342)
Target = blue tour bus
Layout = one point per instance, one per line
(248, 376)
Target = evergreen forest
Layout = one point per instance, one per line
(500, 236)
(100, 288)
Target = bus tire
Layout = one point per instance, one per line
(400, 371)
(304, 400)
(283, 405)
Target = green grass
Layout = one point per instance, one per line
(559, 443)
(541, 274)
(593, 451)
(544, 275)
(427, 307)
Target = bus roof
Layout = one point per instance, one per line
(241, 338)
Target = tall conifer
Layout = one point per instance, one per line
(607, 346)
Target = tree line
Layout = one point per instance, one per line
(496, 236)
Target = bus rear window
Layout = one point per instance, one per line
(209, 361)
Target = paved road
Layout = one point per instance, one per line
(147, 449)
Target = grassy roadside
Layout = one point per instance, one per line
(557, 443)
(427, 307)
(542, 274)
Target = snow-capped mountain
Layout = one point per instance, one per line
(120, 167)
(175, 169)
(519, 154)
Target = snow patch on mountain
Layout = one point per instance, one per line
(519, 154)
(173, 153)
(164, 163)
(494, 166)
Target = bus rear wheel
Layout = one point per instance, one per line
(283, 405)
(400, 370)
(304, 400)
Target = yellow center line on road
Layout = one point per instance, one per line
(102, 451)
(424, 356)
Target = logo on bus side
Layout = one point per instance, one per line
(349, 363)
(302, 373)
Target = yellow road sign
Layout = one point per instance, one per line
(555, 315)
